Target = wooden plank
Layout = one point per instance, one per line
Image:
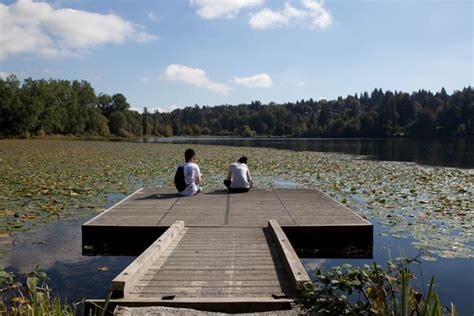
(219, 266)
(124, 282)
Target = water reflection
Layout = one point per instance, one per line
(56, 249)
(449, 152)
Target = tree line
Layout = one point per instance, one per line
(40, 107)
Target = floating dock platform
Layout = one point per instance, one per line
(218, 251)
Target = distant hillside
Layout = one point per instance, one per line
(39, 107)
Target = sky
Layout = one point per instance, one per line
(167, 54)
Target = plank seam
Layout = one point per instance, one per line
(227, 210)
(167, 211)
(284, 206)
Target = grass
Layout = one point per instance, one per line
(34, 298)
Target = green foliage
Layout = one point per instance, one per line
(5, 277)
(380, 114)
(145, 122)
(41, 107)
(349, 290)
(72, 107)
(247, 132)
(34, 298)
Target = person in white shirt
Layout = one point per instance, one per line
(192, 174)
(238, 177)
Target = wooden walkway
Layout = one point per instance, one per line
(218, 251)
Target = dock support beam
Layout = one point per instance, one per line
(292, 262)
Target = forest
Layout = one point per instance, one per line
(37, 108)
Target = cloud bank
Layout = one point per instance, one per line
(213, 9)
(193, 76)
(27, 26)
(256, 81)
(311, 13)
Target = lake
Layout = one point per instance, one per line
(448, 152)
(49, 188)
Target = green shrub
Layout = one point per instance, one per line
(123, 133)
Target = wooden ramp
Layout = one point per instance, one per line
(218, 251)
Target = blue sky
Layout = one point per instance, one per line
(174, 53)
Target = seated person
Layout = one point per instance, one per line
(192, 174)
(238, 176)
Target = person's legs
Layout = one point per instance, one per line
(227, 184)
(238, 190)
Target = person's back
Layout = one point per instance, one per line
(192, 174)
(238, 176)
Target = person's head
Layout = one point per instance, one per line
(242, 159)
(189, 154)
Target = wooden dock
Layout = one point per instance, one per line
(218, 251)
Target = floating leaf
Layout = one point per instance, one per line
(43, 181)
(20, 300)
(103, 268)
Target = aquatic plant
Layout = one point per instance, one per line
(48, 180)
(34, 298)
(371, 289)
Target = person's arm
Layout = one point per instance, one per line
(198, 176)
(249, 179)
(229, 174)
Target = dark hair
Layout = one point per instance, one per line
(189, 154)
(243, 159)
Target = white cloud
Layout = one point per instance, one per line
(268, 19)
(312, 14)
(4, 75)
(144, 37)
(152, 16)
(154, 109)
(256, 81)
(27, 26)
(212, 9)
(168, 109)
(301, 83)
(194, 76)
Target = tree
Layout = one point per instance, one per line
(119, 103)
(156, 118)
(325, 113)
(247, 132)
(97, 123)
(424, 125)
(10, 106)
(117, 122)
(145, 121)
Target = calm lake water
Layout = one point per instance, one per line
(448, 152)
(56, 247)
